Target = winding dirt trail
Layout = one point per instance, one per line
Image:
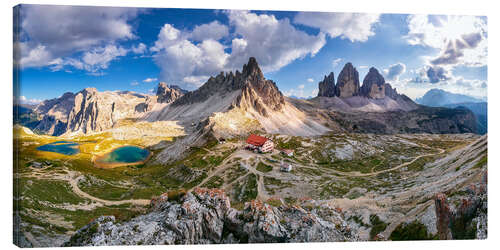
(74, 185)
(359, 174)
(73, 178)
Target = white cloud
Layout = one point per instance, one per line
(23, 100)
(336, 62)
(394, 71)
(53, 34)
(213, 30)
(461, 40)
(179, 58)
(273, 42)
(310, 80)
(150, 79)
(363, 66)
(139, 49)
(301, 86)
(356, 27)
(188, 59)
(134, 83)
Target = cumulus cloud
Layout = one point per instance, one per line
(394, 71)
(310, 80)
(139, 49)
(189, 58)
(461, 40)
(179, 57)
(356, 27)
(274, 42)
(149, 79)
(50, 34)
(93, 61)
(436, 74)
(134, 83)
(213, 30)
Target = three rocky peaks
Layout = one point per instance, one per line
(374, 85)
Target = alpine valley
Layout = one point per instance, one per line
(363, 162)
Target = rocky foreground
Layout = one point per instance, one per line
(205, 216)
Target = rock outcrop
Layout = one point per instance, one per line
(327, 86)
(168, 94)
(373, 85)
(468, 219)
(347, 82)
(205, 216)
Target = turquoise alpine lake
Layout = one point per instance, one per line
(125, 154)
(61, 147)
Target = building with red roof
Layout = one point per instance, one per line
(260, 143)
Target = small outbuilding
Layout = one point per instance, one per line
(287, 152)
(285, 167)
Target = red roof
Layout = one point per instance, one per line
(256, 140)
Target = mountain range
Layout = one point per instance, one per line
(442, 98)
(232, 104)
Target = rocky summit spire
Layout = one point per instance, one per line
(252, 68)
(347, 82)
(327, 86)
(373, 85)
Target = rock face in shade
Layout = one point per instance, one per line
(347, 82)
(168, 94)
(390, 92)
(327, 86)
(373, 85)
(205, 216)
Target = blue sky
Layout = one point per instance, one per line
(64, 48)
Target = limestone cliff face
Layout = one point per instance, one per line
(373, 85)
(347, 82)
(205, 216)
(327, 86)
(87, 111)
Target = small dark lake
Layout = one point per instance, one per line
(125, 154)
(61, 147)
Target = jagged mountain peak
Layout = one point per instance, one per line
(327, 86)
(347, 81)
(373, 85)
(256, 91)
(252, 68)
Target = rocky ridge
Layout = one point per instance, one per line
(205, 216)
